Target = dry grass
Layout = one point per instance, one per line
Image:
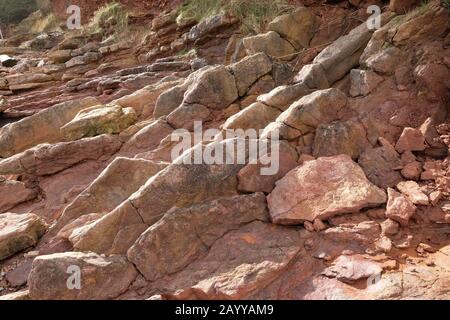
(253, 14)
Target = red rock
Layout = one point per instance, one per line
(349, 269)
(399, 207)
(321, 189)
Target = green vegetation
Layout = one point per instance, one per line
(111, 19)
(17, 10)
(253, 14)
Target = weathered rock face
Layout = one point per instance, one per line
(41, 127)
(46, 159)
(19, 232)
(157, 252)
(256, 254)
(298, 27)
(399, 208)
(100, 278)
(99, 120)
(352, 268)
(251, 178)
(14, 192)
(321, 189)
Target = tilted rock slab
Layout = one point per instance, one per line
(41, 127)
(321, 189)
(101, 277)
(46, 159)
(183, 235)
(19, 232)
(306, 114)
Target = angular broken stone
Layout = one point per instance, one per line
(297, 26)
(340, 137)
(19, 232)
(100, 277)
(322, 188)
(381, 166)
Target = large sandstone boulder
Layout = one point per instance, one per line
(52, 276)
(321, 189)
(271, 44)
(298, 27)
(46, 159)
(214, 88)
(19, 232)
(249, 70)
(256, 116)
(184, 235)
(108, 190)
(99, 120)
(14, 192)
(41, 127)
